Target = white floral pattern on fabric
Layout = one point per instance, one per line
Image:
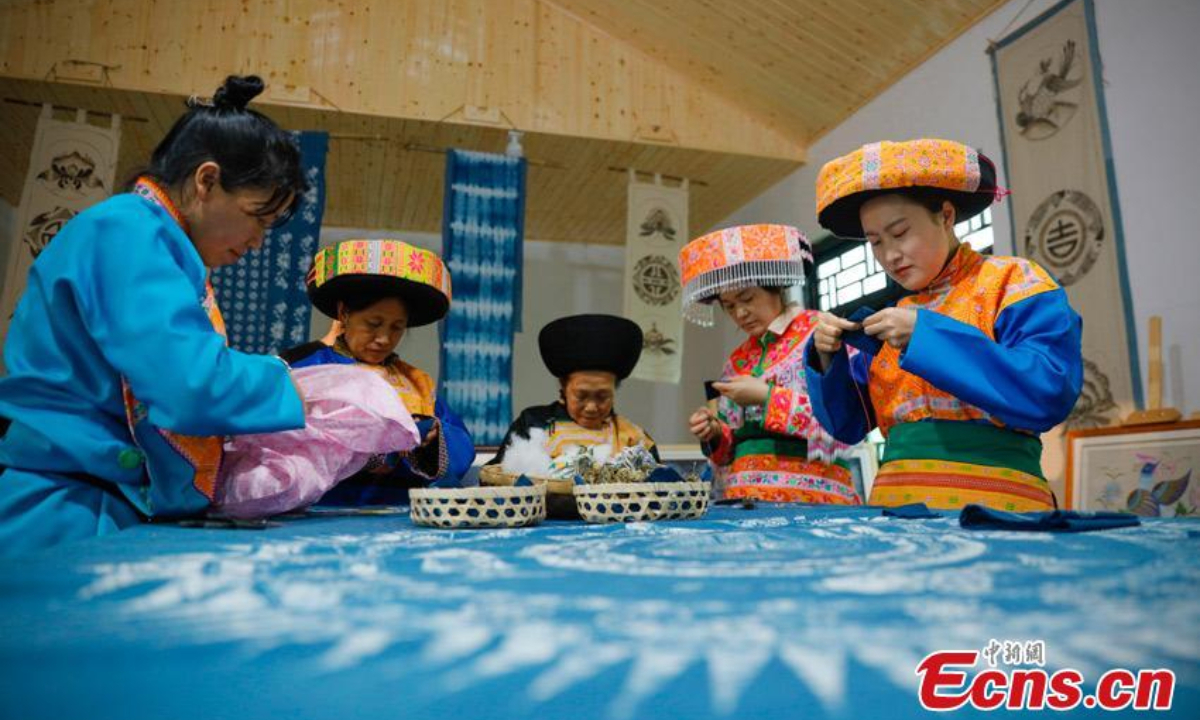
(828, 609)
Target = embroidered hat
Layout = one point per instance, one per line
(740, 257)
(591, 342)
(960, 174)
(381, 268)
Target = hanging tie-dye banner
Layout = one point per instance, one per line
(262, 296)
(72, 167)
(483, 226)
(656, 228)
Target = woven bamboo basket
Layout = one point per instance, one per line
(482, 507)
(639, 502)
(560, 496)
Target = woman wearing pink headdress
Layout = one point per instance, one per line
(762, 438)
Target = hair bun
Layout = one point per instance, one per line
(237, 91)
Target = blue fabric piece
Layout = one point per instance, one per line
(664, 474)
(839, 396)
(324, 356)
(523, 481)
(1029, 376)
(263, 295)
(460, 445)
(776, 613)
(424, 426)
(859, 339)
(483, 224)
(912, 511)
(118, 293)
(978, 517)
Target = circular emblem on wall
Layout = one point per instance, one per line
(655, 280)
(1064, 234)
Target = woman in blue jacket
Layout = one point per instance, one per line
(120, 385)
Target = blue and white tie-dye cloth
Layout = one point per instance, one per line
(776, 612)
(483, 228)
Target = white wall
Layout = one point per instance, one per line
(1152, 89)
(567, 279)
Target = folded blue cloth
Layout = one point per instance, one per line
(663, 474)
(859, 339)
(423, 427)
(977, 517)
(912, 511)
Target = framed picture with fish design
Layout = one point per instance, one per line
(1147, 470)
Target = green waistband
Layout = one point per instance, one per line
(965, 442)
(752, 439)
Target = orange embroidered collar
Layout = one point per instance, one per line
(152, 191)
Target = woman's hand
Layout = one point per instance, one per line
(894, 326)
(704, 425)
(827, 337)
(744, 390)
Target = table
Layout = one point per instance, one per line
(772, 612)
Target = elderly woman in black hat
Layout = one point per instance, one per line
(590, 355)
(377, 290)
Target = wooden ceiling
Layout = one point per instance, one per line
(801, 64)
(671, 74)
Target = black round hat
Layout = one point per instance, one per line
(591, 342)
(379, 269)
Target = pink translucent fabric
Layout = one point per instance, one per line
(351, 415)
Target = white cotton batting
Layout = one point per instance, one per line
(528, 456)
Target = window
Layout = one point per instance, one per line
(978, 232)
(847, 277)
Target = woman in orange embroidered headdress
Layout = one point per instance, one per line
(984, 355)
(762, 439)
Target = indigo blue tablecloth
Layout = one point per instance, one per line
(771, 612)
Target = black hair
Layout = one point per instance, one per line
(932, 199)
(367, 297)
(252, 151)
(777, 290)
